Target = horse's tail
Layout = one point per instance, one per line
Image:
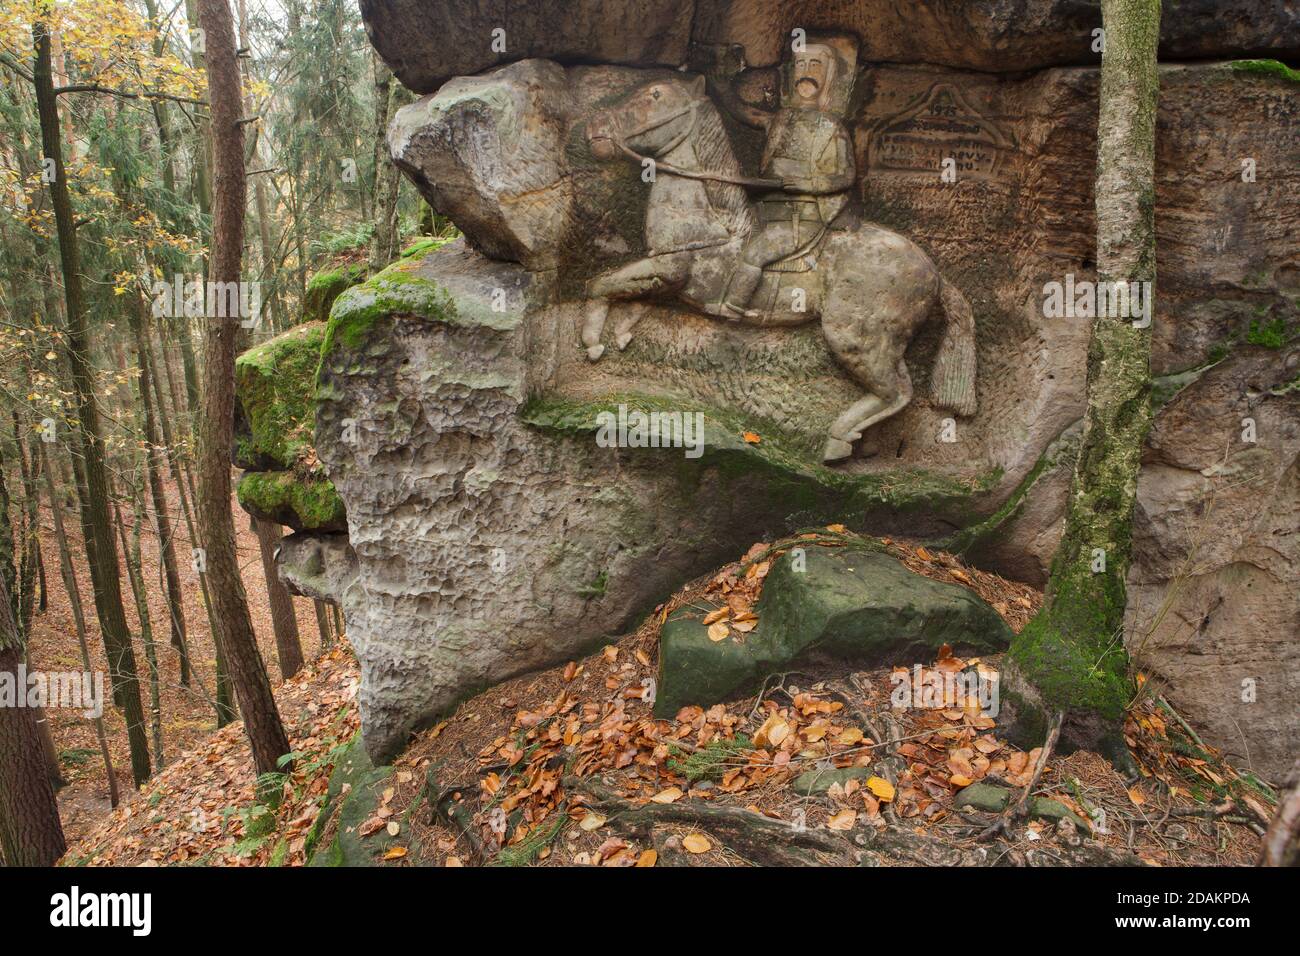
(952, 383)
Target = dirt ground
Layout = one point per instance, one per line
(568, 766)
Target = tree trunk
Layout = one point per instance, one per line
(1071, 657)
(323, 625)
(134, 571)
(261, 719)
(162, 520)
(389, 95)
(283, 618)
(101, 555)
(78, 614)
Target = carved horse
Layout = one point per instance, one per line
(871, 287)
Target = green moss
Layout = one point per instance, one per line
(398, 290)
(326, 286)
(422, 247)
(779, 465)
(305, 503)
(1271, 335)
(1270, 68)
(274, 382)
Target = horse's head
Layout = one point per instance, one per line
(649, 120)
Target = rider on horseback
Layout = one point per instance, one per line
(809, 151)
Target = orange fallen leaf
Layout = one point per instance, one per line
(647, 858)
(752, 438)
(696, 843)
(1136, 796)
(843, 820)
(718, 615)
(671, 795)
(396, 853)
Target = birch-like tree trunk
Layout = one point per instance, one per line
(1071, 657)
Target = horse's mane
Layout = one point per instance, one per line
(713, 150)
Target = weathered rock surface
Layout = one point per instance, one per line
(426, 42)
(1214, 599)
(851, 606)
(456, 412)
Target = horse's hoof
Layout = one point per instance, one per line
(622, 340)
(594, 352)
(836, 450)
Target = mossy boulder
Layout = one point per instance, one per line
(817, 781)
(275, 385)
(853, 605)
(326, 286)
(304, 502)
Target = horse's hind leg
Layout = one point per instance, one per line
(889, 398)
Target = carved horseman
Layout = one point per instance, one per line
(809, 152)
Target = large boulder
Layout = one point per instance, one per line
(426, 42)
(852, 606)
(491, 528)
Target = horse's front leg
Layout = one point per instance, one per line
(645, 277)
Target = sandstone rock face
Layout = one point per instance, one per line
(426, 42)
(491, 531)
(1214, 606)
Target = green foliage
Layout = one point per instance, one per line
(1271, 334)
(305, 503)
(711, 761)
(1271, 68)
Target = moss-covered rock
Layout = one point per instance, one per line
(275, 385)
(817, 781)
(326, 286)
(993, 799)
(855, 605)
(355, 789)
(304, 502)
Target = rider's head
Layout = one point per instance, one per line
(812, 76)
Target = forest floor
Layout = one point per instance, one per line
(188, 715)
(568, 766)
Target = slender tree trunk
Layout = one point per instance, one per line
(224, 703)
(100, 552)
(389, 95)
(283, 618)
(132, 559)
(261, 719)
(78, 614)
(162, 520)
(323, 625)
(1071, 657)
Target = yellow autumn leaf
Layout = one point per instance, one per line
(396, 853)
(718, 632)
(881, 787)
(697, 843)
(670, 795)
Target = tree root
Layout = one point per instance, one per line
(456, 814)
(758, 839)
(1019, 808)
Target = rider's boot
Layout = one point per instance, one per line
(744, 280)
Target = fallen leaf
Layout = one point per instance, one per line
(881, 787)
(717, 615)
(396, 853)
(647, 858)
(592, 821)
(843, 820)
(752, 438)
(1136, 796)
(718, 632)
(671, 795)
(394, 828)
(696, 843)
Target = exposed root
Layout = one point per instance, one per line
(1019, 808)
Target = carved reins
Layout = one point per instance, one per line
(677, 170)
